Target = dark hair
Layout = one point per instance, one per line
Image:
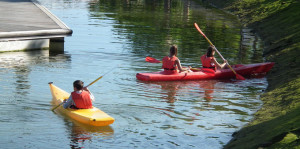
(209, 51)
(78, 84)
(173, 50)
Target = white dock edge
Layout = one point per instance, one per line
(23, 45)
(23, 40)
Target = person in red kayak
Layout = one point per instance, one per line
(171, 64)
(80, 98)
(209, 61)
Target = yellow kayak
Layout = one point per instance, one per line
(93, 116)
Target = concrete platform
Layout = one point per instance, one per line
(24, 21)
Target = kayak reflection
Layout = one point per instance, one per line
(169, 90)
(172, 90)
(208, 87)
(80, 133)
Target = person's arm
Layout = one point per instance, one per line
(162, 63)
(219, 66)
(91, 95)
(68, 103)
(177, 62)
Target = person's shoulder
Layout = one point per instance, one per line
(84, 91)
(213, 58)
(165, 57)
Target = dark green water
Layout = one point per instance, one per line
(115, 33)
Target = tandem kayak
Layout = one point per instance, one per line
(246, 70)
(93, 116)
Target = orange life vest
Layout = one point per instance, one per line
(169, 64)
(83, 100)
(206, 62)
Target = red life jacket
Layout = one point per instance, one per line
(169, 64)
(206, 62)
(83, 100)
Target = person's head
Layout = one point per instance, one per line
(173, 51)
(210, 51)
(78, 85)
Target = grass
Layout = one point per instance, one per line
(251, 11)
(277, 124)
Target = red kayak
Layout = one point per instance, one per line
(246, 70)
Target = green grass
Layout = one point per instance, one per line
(251, 11)
(279, 117)
(277, 124)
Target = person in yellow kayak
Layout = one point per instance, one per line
(171, 64)
(209, 61)
(80, 98)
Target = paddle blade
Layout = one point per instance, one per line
(239, 77)
(198, 28)
(152, 60)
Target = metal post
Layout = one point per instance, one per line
(56, 45)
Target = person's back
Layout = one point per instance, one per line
(169, 64)
(207, 62)
(82, 100)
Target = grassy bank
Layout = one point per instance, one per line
(277, 123)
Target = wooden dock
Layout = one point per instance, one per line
(25, 24)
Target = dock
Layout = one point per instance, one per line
(27, 25)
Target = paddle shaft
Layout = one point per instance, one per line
(214, 47)
(101, 77)
(94, 81)
(57, 106)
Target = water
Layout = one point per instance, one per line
(118, 35)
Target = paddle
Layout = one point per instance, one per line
(238, 77)
(85, 86)
(57, 106)
(152, 60)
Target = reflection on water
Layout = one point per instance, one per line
(152, 27)
(208, 89)
(81, 134)
(169, 89)
(251, 47)
(17, 66)
(111, 33)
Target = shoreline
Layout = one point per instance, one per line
(277, 123)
